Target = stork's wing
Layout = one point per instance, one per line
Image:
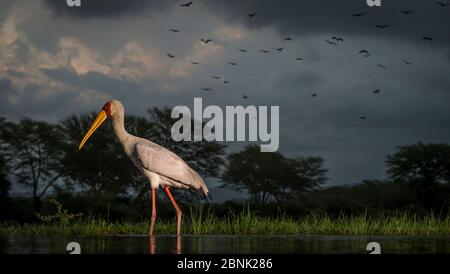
(159, 160)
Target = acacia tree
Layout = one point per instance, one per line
(32, 150)
(426, 167)
(259, 174)
(270, 177)
(309, 174)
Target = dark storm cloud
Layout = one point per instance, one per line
(300, 80)
(5, 7)
(5, 85)
(6, 90)
(91, 80)
(108, 9)
(22, 51)
(296, 17)
(29, 101)
(15, 73)
(305, 17)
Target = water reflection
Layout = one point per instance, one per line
(208, 244)
(153, 245)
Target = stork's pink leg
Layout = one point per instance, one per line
(152, 224)
(179, 213)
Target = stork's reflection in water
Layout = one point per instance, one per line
(177, 245)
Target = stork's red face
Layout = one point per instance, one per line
(101, 117)
(108, 108)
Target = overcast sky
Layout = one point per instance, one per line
(56, 61)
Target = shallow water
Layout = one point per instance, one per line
(207, 244)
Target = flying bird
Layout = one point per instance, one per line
(377, 91)
(407, 62)
(206, 41)
(314, 95)
(252, 14)
(232, 63)
(339, 39)
(242, 50)
(381, 26)
(365, 53)
(160, 166)
(174, 30)
(443, 5)
(360, 14)
(331, 42)
(279, 49)
(429, 39)
(407, 12)
(288, 39)
(170, 55)
(188, 4)
(381, 66)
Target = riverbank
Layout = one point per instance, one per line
(200, 223)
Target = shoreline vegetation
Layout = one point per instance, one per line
(203, 222)
(280, 195)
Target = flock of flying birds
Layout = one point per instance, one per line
(333, 41)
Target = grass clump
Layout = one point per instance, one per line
(62, 216)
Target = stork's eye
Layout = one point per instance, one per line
(107, 108)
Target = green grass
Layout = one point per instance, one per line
(202, 221)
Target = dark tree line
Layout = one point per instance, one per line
(42, 156)
(44, 159)
(418, 178)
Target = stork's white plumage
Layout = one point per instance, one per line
(161, 166)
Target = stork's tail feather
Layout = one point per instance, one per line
(200, 185)
(206, 196)
(203, 194)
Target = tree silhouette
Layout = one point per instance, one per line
(33, 154)
(309, 173)
(5, 185)
(270, 177)
(426, 166)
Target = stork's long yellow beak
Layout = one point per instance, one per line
(101, 117)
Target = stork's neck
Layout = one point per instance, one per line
(119, 127)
